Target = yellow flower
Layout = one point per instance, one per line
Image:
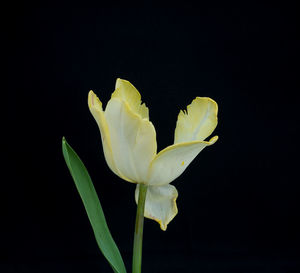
(129, 145)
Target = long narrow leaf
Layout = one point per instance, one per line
(93, 208)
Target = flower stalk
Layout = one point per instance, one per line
(138, 232)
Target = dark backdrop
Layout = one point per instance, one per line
(238, 199)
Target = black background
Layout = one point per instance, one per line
(238, 200)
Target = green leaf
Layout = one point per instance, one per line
(93, 208)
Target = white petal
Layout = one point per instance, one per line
(133, 140)
(198, 122)
(160, 204)
(95, 107)
(173, 160)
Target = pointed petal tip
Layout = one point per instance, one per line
(163, 227)
(91, 98)
(91, 93)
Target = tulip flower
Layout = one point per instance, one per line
(130, 148)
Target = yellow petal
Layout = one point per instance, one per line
(160, 204)
(171, 162)
(198, 122)
(126, 92)
(133, 140)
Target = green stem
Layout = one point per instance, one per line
(138, 232)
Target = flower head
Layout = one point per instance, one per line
(130, 149)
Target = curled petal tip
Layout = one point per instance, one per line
(213, 140)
